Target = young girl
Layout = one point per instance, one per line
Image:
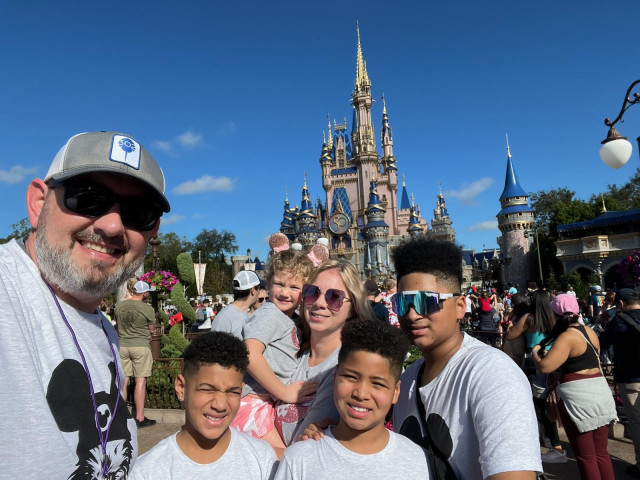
(272, 337)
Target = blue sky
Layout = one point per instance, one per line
(232, 97)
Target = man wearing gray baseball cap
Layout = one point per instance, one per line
(91, 217)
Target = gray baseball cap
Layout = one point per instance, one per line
(108, 152)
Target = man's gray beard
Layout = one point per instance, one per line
(58, 269)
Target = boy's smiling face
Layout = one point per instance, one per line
(285, 291)
(364, 390)
(211, 398)
(427, 332)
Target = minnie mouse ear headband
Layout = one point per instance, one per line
(279, 242)
(318, 254)
(565, 303)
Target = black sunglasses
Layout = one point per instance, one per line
(93, 200)
(261, 299)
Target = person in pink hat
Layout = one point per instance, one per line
(586, 404)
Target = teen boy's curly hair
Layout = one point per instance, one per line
(426, 255)
(219, 348)
(376, 337)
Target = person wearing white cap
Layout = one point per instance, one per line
(91, 216)
(135, 319)
(246, 287)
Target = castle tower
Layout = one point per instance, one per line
(415, 228)
(441, 225)
(514, 219)
(306, 222)
(363, 139)
(376, 233)
(287, 226)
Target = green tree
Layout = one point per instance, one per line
(619, 198)
(217, 278)
(211, 245)
(187, 274)
(171, 245)
(20, 229)
(181, 303)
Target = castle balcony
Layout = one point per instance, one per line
(596, 246)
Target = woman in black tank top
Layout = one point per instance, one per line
(586, 406)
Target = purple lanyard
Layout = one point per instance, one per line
(103, 437)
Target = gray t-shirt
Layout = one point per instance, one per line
(484, 405)
(245, 458)
(231, 320)
(327, 458)
(279, 334)
(47, 419)
(292, 418)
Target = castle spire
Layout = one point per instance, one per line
(512, 187)
(330, 142)
(362, 78)
(404, 199)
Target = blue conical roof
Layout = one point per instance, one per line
(512, 187)
(404, 202)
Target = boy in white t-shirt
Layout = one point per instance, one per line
(366, 385)
(464, 401)
(210, 388)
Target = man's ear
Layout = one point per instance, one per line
(36, 194)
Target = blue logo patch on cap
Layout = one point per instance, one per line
(125, 150)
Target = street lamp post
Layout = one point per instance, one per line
(616, 149)
(534, 232)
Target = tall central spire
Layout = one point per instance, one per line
(362, 78)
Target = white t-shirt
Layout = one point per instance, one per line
(279, 334)
(230, 320)
(245, 458)
(327, 458)
(292, 418)
(47, 419)
(482, 404)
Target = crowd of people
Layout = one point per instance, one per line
(300, 377)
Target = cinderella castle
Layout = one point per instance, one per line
(363, 214)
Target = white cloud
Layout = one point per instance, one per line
(190, 140)
(229, 128)
(15, 174)
(205, 183)
(468, 193)
(172, 219)
(488, 225)
(165, 146)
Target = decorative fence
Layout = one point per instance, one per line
(160, 385)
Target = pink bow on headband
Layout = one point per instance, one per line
(318, 254)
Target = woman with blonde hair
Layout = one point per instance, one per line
(334, 295)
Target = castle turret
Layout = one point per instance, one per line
(307, 229)
(287, 226)
(514, 219)
(441, 225)
(415, 228)
(376, 233)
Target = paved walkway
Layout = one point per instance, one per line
(620, 448)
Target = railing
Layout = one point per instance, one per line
(160, 385)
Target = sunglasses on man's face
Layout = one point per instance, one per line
(333, 296)
(261, 299)
(423, 302)
(94, 200)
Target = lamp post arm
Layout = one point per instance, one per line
(625, 104)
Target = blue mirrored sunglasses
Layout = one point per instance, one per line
(423, 302)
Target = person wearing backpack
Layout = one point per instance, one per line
(623, 332)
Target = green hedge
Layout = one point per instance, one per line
(160, 385)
